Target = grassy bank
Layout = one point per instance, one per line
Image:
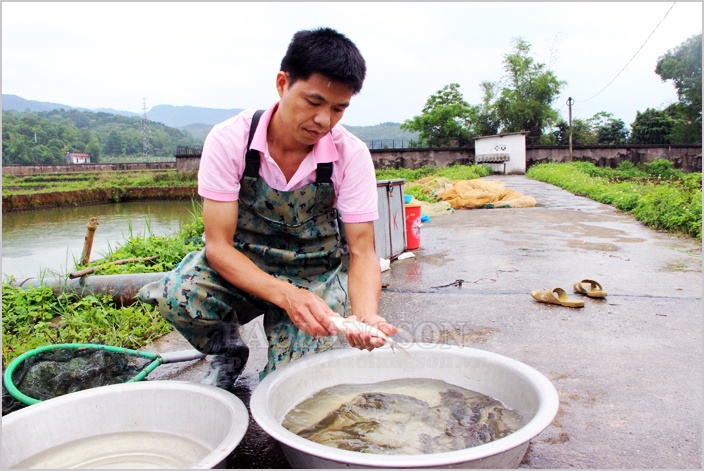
(656, 194)
(61, 182)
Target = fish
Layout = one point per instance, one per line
(346, 325)
(364, 423)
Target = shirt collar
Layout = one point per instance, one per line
(324, 150)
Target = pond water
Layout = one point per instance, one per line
(36, 242)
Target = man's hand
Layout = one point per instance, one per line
(365, 341)
(309, 312)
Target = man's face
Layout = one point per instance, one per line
(309, 109)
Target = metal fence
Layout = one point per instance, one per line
(134, 159)
(413, 144)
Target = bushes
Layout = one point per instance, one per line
(35, 316)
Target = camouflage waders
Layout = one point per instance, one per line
(292, 235)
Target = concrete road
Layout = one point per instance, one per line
(628, 368)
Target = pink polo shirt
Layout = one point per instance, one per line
(222, 165)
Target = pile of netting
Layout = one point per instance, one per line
(472, 194)
(56, 370)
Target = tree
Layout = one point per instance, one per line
(44, 137)
(93, 148)
(683, 66)
(582, 134)
(528, 90)
(652, 127)
(447, 118)
(608, 130)
(487, 121)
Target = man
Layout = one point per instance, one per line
(273, 243)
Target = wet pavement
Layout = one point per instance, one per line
(628, 368)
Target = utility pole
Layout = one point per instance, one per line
(145, 131)
(570, 102)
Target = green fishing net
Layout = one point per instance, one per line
(56, 370)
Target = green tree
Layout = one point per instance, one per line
(683, 65)
(488, 122)
(582, 134)
(608, 130)
(447, 119)
(94, 149)
(527, 92)
(652, 126)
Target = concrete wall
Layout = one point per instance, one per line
(417, 158)
(685, 157)
(187, 163)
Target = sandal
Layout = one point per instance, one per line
(591, 288)
(556, 296)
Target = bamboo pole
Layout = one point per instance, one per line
(88, 271)
(88, 243)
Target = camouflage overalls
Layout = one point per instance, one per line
(292, 235)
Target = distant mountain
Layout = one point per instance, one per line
(172, 116)
(199, 131)
(14, 102)
(198, 121)
(383, 135)
(178, 116)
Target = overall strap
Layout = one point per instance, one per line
(323, 173)
(252, 158)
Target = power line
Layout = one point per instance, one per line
(634, 55)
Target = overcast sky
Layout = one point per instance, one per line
(226, 55)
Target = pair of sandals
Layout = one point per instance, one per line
(590, 288)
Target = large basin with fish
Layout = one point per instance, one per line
(517, 385)
(149, 424)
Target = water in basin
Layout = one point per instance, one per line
(128, 450)
(404, 416)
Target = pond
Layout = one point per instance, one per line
(36, 242)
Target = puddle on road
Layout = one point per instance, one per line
(596, 246)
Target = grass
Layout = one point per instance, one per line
(45, 183)
(35, 317)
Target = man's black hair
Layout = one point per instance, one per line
(326, 52)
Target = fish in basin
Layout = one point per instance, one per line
(387, 422)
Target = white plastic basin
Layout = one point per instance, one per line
(515, 384)
(150, 424)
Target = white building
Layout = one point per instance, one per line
(504, 153)
(75, 158)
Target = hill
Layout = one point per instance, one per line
(16, 103)
(198, 121)
(180, 116)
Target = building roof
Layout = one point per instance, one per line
(503, 134)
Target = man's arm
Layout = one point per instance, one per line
(364, 284)
(307, 311)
